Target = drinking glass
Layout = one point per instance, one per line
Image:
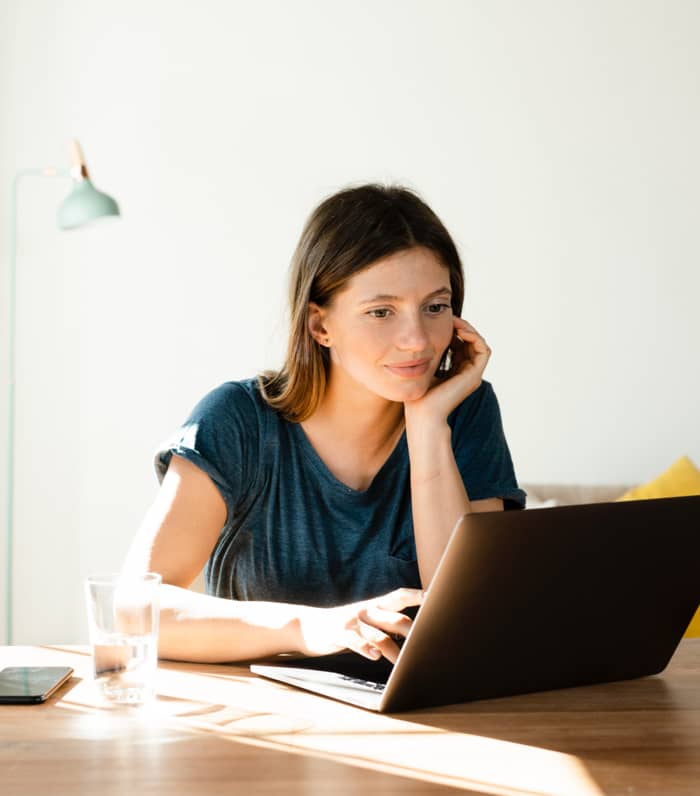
(123, 614)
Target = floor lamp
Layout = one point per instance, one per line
(82, 205)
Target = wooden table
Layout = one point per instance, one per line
(219, 729)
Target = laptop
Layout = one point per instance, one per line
(533, 600)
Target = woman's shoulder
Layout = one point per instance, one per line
(232, 399)
(223, 435)
(479, 404)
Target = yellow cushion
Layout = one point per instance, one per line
(682, 478)
(693, 630)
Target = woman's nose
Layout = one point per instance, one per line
(412, 335)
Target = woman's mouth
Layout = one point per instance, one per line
(409, 370)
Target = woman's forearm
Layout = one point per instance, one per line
(201, 628)
(438, 496)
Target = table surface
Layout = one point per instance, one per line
(219, 729)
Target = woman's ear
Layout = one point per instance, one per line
(316, 325)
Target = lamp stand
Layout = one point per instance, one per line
(11, 369)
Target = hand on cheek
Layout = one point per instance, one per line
(470, 354)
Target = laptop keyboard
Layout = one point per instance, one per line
(363, 683)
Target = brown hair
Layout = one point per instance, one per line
(348, 232)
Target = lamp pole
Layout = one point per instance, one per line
(11, 370)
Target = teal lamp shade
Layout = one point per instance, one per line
(84, 204)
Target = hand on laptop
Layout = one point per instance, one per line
(364, 627)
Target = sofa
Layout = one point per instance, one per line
(546, 495)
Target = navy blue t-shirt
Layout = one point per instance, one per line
(294, 533)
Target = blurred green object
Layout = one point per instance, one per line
(84, 204)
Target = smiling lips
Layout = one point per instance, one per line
(409, 370)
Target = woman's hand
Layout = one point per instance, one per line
(469, 359)
(364, 627)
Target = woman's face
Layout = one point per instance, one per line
(389, 326)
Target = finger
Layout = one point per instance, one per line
(463, 328)
(379, 641)
(398, 599)
(476, 342)
(356, 642)
(469, 334)
(460, 325)
(389, 622)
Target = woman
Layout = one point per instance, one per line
(322, 496)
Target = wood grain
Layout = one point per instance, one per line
(219, 729)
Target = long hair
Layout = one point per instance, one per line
(348, 232)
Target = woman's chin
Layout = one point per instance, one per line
(410, 391)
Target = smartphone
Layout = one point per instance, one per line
(27, 685)
(452, 359)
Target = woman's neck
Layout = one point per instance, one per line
(350, 411)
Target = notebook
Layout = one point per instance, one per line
(534, 600)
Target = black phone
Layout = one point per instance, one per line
(451, 359)
(28, 685)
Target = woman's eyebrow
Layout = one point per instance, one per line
(441, 291)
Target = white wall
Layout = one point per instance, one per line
(557, 139)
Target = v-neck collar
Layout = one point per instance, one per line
(311, 455)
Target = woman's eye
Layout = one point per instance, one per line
(437, 309)
(381, 312)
